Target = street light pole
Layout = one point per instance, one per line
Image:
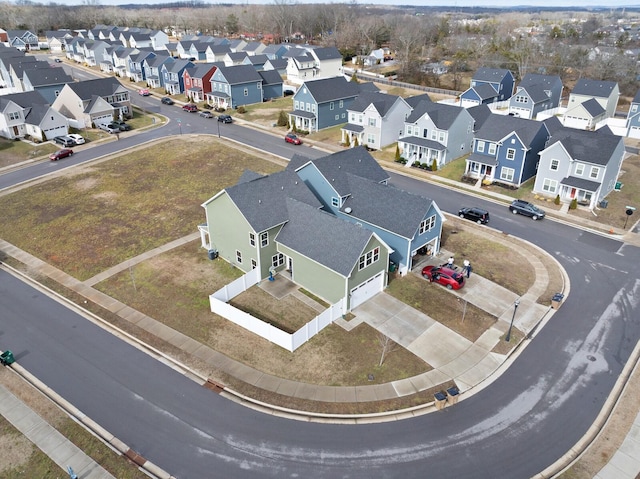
(218, 122)
(515, 308)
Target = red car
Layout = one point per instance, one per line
(291, 138)
(60, 154)
(190, 107)
(144, 92)
(445, 276)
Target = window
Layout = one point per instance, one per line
(634, 108)
(313, 108)
(57, 92)
(331, 106)
(341, 104)
(554, 165)
(427, 224)
(297, 105)
(480, 146)
(522, 99)
(434, 135)
(360, 119)
(371, 138)
(579, 169)
(14, 115)
(506, 174)
(254, 265)
(264, 239)
(246, 92)
(511, 154)
(352, 117)
(308, 106)
(595, 172)
(252, 239)
(335, 202)
(372, 122)
(337, 117)
(277, 260)
(409, 130)
(549, 185)
(369, 258)
(238, 257)
(441, 137)
(492, 149)
(424, 133)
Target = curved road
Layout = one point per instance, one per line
(526, 420)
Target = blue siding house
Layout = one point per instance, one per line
(234, 86)
(172, 76)
(505, 150)
(352, 186)
(488, 85)
(322, 103)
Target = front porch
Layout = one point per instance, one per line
(303, 120)
(422, 150)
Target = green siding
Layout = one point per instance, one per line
(267, 253)
(358, 276)
(315, 278)
(229, 231)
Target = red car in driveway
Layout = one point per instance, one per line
(445, 276)
(60, 154)
(291, 138)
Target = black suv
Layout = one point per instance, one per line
(521, 207)
(478, 215)
(120, 125)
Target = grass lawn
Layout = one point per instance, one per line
(14, 151)
(105, 213)
(174, 288)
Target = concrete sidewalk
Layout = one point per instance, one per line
(61, 451)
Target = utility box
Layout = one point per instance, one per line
(440, 399)
(556, 301)
(7, 358)
(213, 254)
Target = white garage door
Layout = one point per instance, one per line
(53, 132)
(102, 120)
(634, 132)
(366, 290)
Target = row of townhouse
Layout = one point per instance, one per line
(507, 149)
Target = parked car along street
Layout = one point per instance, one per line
(167, 101)
(478, 215)
(60, 154)
(293, 139)
(521, 207)
(121, 125)
(206, 114)
(144, 92)
(445, 276)
(225, 119)
(190, 107)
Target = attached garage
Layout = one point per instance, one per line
(366, 290)
(51, 133)
(634, 132)
(102, 119)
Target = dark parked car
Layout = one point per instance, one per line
(167, 101)
(190, 107)
(206, 114)
(445, 276)
(292, 138)
(60, 154)
(225, 119)
(478, 215)
(120, 125)
(64, 141)
(521, 207)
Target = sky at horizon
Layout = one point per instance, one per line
(431, 3)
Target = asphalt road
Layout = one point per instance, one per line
(519, 425)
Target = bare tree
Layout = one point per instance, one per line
(387, 345)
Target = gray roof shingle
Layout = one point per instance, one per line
(594, 88)
(441, 114)
(262, 200)
(102, 87)
(595, 147)
(331, 89)
(382, 102)
(496, 127)
(365, 204)
(310, 230)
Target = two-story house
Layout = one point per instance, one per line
(352, 186)
(536, 93)
(216, 52)
(590, 102)
(24, 40)
(94, 102)
(152, 67)
(197, 80)
(580, 164)
(323, 103)
(48, 82)
(505, 150)
(633, 117)
(308, 63)
(373, 120)
(135, 70)
(488, 85)
(172, 75)
(234, 86)
(436, 131)
(28, 113)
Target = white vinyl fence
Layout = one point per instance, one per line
(290, 342)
